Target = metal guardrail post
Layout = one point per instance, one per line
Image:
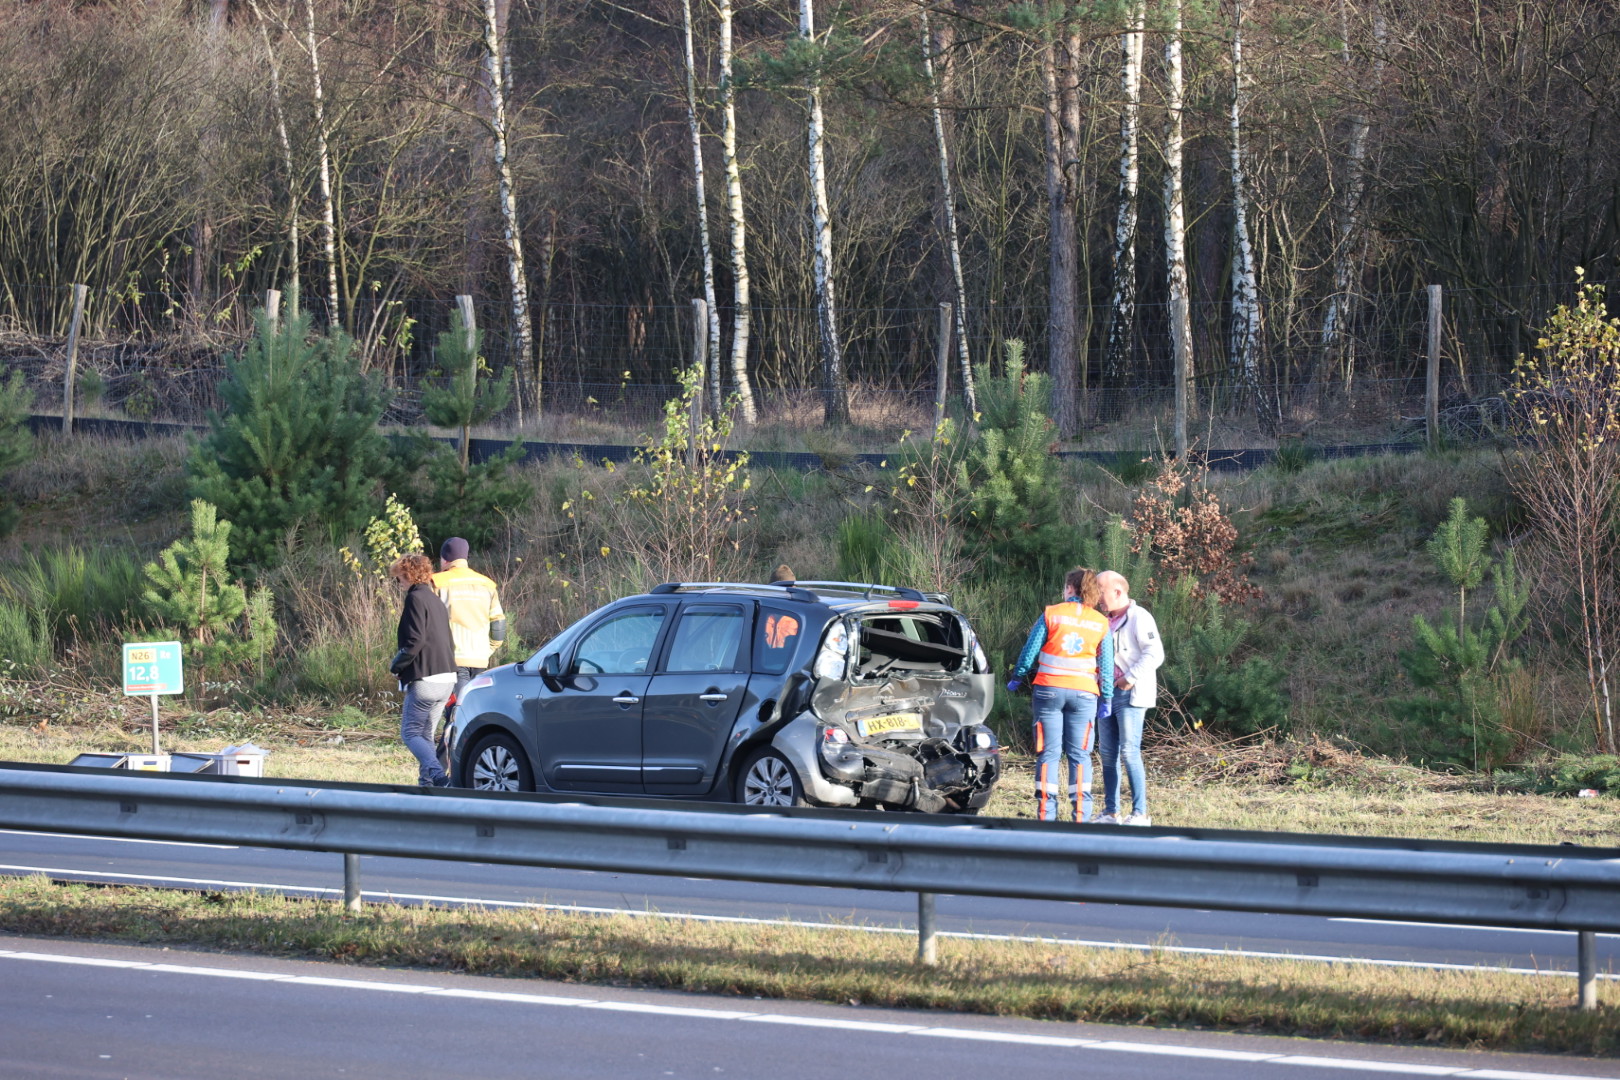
(351, 883)
(1586, 969)
(927, 948)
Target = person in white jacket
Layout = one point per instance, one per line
(1138, 652)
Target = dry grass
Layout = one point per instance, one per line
(1484, 1010)
(1194, 780)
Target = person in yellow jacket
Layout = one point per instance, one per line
(477, 623)
(1067, 647)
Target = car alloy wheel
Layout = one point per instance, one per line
(770, 781)
(498, 765)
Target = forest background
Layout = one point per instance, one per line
(1267, 222)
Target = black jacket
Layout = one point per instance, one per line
(425, 647)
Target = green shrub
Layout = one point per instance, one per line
(296, 445)
(80, 594)
(863, 544)
(1207, 685)
(1293, 455)
(25, 640)
(16, 440)
(1133, 467)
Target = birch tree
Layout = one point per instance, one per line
(1244, 337)
(1338, 348)
(294, 188)
(1061, 125)
(1175, 223)
(948, 200)
(499, 81)
(737, 222)
(1122, 306)
(323, 152)
(701, 195)
(835, 394)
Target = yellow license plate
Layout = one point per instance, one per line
(905, 721)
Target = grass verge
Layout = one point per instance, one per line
(1475, 1010)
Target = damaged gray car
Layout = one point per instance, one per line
(790, 694)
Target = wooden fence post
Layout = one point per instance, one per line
(1431, 412)
(470, 325)
(70, 378)
(942, 369)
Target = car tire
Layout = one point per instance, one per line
(499, 764)
(768, 779)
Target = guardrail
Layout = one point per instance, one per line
(1550, 888)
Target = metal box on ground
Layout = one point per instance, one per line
(146, 762)
(244, 760)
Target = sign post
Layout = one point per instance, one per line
(153, 667)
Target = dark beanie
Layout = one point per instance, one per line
(453, 549)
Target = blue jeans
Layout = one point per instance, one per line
(1063, 723)
(1119, 738)
(424, 704)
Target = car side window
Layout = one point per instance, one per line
(706, 639)
(621, 645)
(776, 639)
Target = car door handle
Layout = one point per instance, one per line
(711, 698)
(626, 699)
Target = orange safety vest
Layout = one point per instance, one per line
(1074, 633)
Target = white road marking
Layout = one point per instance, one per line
(871, 1027)
(963, 935)
(1459, 926)
(118, 839)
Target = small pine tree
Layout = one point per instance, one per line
(1458, 545)
(467, 401)
(1206, 684)
(296, 444)
(189, 588)
(16, 441)
(1457, 718)
(1013, 505)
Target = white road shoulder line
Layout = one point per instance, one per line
(872, 1027)
(1456, 926)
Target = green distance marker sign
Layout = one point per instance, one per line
(153, 667)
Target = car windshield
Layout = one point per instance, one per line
(913, 642)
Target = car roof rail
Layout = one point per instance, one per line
(737, 586)
(862, 587)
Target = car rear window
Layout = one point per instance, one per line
(776, 639)
(923, 641)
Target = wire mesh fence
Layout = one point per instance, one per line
(613, 366)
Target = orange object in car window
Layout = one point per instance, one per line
(778, 628)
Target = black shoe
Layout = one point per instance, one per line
(443, 781)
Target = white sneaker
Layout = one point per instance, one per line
(1137, 819)
(1105, 819)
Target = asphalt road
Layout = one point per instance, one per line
(71, 1009)
(421, 880)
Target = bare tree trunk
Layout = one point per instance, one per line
(702, 210)
(1338, 348)
(1060, 119)
(202, 229)
(1122, 309)
(323, 151)
(835, 394)
(948, 199)
(498, 73)
(1175, 224)
(294, 189)
(737, 223)
(1245, 332)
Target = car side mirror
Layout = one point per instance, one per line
(551, 665)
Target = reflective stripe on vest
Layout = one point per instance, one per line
(1068, 660)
